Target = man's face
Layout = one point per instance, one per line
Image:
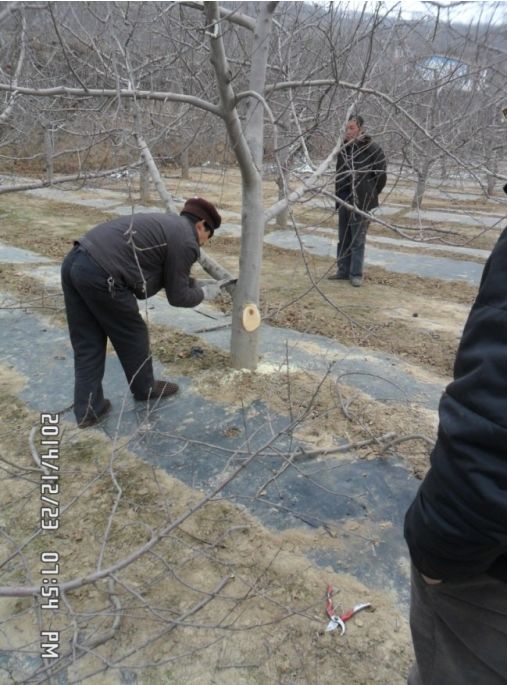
(203, 232)
(353, 130)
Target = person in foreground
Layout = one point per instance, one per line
(456, 526)
(108, 269)
(360, 178)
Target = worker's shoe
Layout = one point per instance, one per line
(356, 281)
(337, 277)
(95, 418)
(158, 390)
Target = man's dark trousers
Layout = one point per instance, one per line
(352, 242)
(96, 310)
(459, 631)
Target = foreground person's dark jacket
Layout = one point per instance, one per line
(456, 526)
(163, 246)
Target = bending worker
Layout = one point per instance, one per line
(103, 275)
(360, 178)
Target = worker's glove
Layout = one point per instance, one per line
(211, 290)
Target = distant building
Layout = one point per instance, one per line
(441, 68)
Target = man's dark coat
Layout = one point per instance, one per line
(360, 173)
(162, 246)
(456, 526)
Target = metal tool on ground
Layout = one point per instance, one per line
(339, 621)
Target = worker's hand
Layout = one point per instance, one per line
(211, 290)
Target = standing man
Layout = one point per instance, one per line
(360, 178)
(456, 526)
(103, 275)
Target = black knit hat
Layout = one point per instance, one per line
(203, 209)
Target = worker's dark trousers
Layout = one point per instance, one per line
(352, 241)
(97, 311)
(459, 631)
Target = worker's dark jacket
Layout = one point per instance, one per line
(360, 173)
(456, 526)
(163, 246)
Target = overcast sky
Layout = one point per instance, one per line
(465, 12)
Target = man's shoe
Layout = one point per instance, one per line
(93, 420)
(337, 277)
(159, 389)
(356, 281)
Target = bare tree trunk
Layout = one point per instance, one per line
(154, 173)
(443, 167)
(249, 152)
(423, 171)
(184, 162)
(282, 215)
(282, 156)
(48, 151)
(144, 185)
(302, 139)
(7, 112)
(422, 177)
(491, 178)
(491, 184)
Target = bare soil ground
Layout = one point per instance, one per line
(266, 623)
